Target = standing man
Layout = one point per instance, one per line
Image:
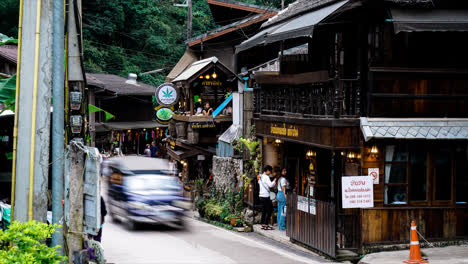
(154, 149)
(264, 194)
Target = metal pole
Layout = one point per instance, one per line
(58, 119)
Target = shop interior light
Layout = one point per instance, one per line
(342, 153)
(207, 76)
(278, 141)
(129, 130)
(374, 152)
(201, 76)
(311, 154)
(214, 75)
(144, 129)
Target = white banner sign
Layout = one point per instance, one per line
(374, 173)
(357, 192)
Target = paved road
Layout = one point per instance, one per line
(198, 243)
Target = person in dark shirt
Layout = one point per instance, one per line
(103, 215)
(154, 150)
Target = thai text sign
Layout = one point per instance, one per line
(305, 204)
(357, 192)
(284, 130)
(198, 125)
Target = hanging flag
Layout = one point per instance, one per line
(94, 109)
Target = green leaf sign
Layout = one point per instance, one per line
(166, 94)
(164, 114)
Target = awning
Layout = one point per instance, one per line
(414, 128)
(182, 154)
(257, 39)
(185, 61)
(195, 68)
(420, 20)
(131, 125)
(232, 133)
(301, 26)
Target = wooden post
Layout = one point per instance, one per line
(75, 228)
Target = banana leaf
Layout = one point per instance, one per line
(8, 93)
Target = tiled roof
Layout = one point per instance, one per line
(9, 52)
(414, 128)
(118, 84)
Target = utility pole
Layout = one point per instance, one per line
(189, 17)
(282, 4)
(58, 118)
(76, 129)
(33, 112)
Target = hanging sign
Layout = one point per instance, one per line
(166, 94)
(374, 173)
(357, 192)
(164, 115)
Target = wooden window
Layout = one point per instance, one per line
(418, 174)
(461, 175)
(396, 184)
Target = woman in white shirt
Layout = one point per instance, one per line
(264, 194)
(281, 197)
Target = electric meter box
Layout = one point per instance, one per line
(76, 122)
(75, 100)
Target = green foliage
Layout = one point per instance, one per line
(8, 93)
(252, 145)
(23, 243)
(213, 209)
(126, 36)
(9, 12)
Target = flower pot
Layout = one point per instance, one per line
(234, 221)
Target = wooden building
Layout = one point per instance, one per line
(383, 86)
(134, 124)
(195, 137)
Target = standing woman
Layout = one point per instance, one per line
(264, 194)
(281, 197)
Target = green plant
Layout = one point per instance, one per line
(23, 242)
(213, 209)
(200, 205)
(237, 146)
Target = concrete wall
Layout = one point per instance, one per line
(226, 173)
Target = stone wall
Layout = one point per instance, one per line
(227, 173)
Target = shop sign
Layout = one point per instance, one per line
(198, 125)
(212, 83)
(306, 205)
(374, 173)
(357, 192)
(166, 94)
(164, 115)
(284, 130)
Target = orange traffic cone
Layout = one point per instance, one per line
(415, 251)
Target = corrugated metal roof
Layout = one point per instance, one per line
(9, 52)
(119, 84)
(414, 128)
(195, 68)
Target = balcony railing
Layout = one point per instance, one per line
(331, 99)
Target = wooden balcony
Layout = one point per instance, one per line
(327, 99)
(196, 119)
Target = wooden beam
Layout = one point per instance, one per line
(295, 79)
(237, 6)
(227, 30)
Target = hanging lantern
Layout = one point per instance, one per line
(214, 75)
(207, 76)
